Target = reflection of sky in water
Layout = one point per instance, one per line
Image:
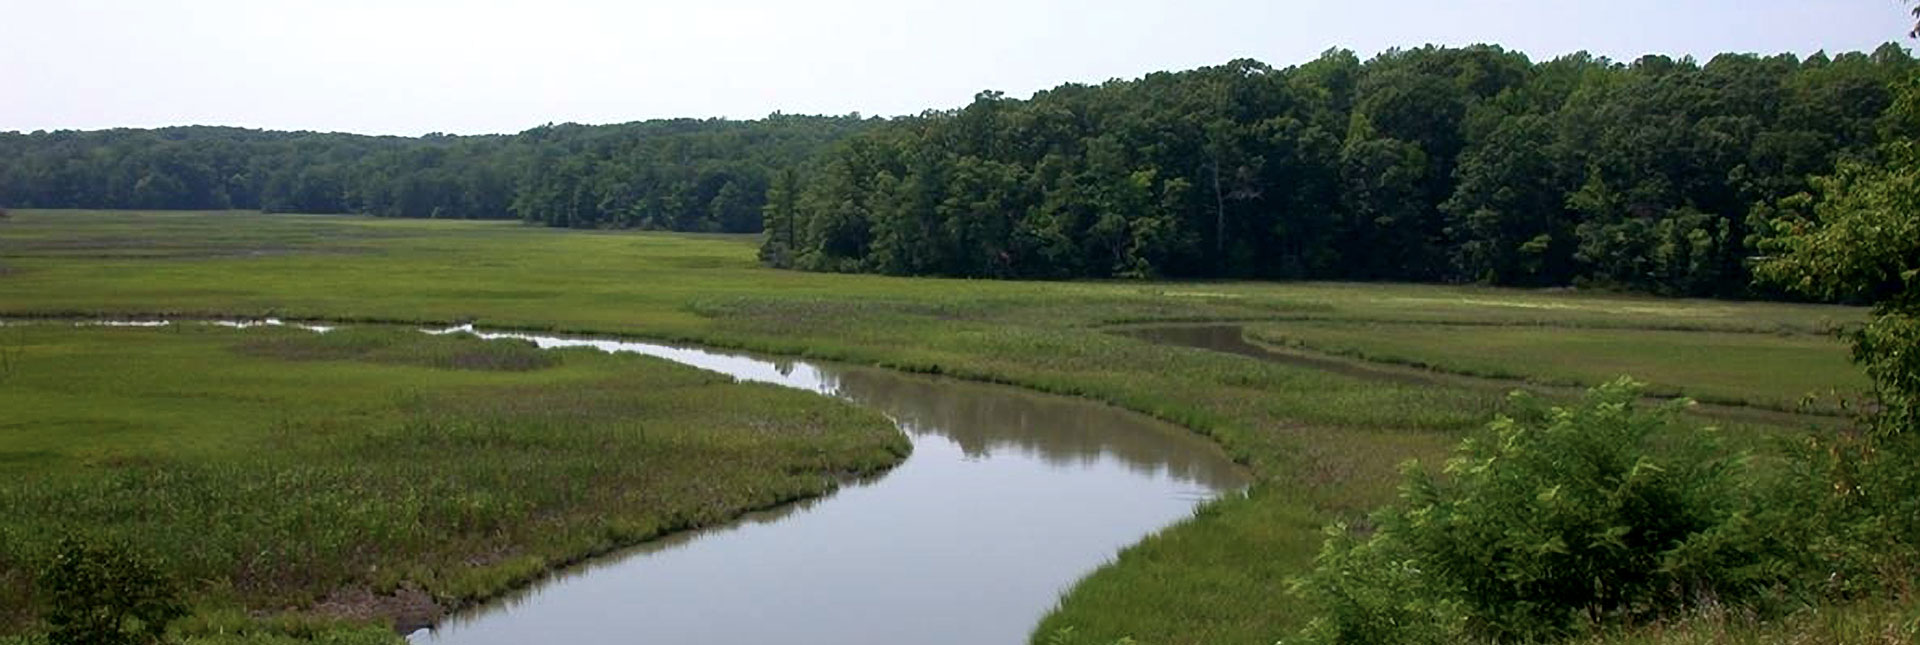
(235, 324)
(1008, 498)
(272, 322)
(790, 374)
(980, 418)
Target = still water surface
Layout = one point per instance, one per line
(1008, 498)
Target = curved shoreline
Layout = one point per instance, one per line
(1309, 357)
(706, 341)
(409, 608)
(558, 568)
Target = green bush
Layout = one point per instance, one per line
(1852, 505)
(105, 594)
(1549, 521)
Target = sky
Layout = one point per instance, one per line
(410, 67)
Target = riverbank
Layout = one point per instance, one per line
(1324, 445)
(386, 476)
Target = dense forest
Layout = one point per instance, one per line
(683, 175)
(1431, 164)
(1434, 164)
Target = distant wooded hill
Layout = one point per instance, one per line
(1430, 164)
(682, 174)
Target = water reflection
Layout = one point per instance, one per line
(981, 418)
(1008, 498)
(235, 324)
(513, 599)
(1060, 431)
(272, 322)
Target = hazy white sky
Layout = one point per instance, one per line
(415, 66)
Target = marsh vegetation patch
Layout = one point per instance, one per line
(402, 347)
(326, 480)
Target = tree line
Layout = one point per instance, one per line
(1433, 164)
(1553, 524)
(1470, 164)
(682, 174)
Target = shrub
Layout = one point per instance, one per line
(1852, 503)
(106, 594)
(1547, 521)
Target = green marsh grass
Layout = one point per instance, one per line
(1885, 621)
(1773, 371)
(376, 345)
(1325, 446)
(271, 468)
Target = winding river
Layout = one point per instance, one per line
(1008, 498)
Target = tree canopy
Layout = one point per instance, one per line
(1856, 236)
(1471, 164)
(1430, 164)
(683, 174)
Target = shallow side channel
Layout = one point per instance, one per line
(1008, 498)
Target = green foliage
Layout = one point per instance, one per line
(1371, 590)
(1321, 442)
(1430, 164)
(1851, 505)
(1508, 207)
(779, 219)
(1543, 523)
(1858, 238)
(680, 174)
(1889, 347)
(106, 594)
(271, 481)
(1867, 622)
(1468, 164)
